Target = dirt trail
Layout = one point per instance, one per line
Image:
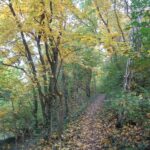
(86, 134)
(95, 130)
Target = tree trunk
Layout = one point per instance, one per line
(128, 76)
(35, 108)
(88, 82)
(65, 92)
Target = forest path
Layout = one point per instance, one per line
(85, 134)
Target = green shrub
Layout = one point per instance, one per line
(131, 107)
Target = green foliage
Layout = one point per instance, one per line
(113, 75)
(134, 108)
(140, 21)
(141, 72)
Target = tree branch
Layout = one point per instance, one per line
(16, 67)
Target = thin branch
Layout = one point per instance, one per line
(16, 67)
(101, 17)
(118, 22)
(127, 8)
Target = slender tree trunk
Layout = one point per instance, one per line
(88, 82)
(95, 90)
(65, 92)
(60, 116)
(35, 108)
(75, 85)
(128, 76)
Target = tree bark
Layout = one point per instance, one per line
(65, 92)
(88, 82)
(35, 108)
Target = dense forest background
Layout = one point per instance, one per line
(57, 56)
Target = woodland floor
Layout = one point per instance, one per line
(83, 134)
(86, 134)
(96, 130)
